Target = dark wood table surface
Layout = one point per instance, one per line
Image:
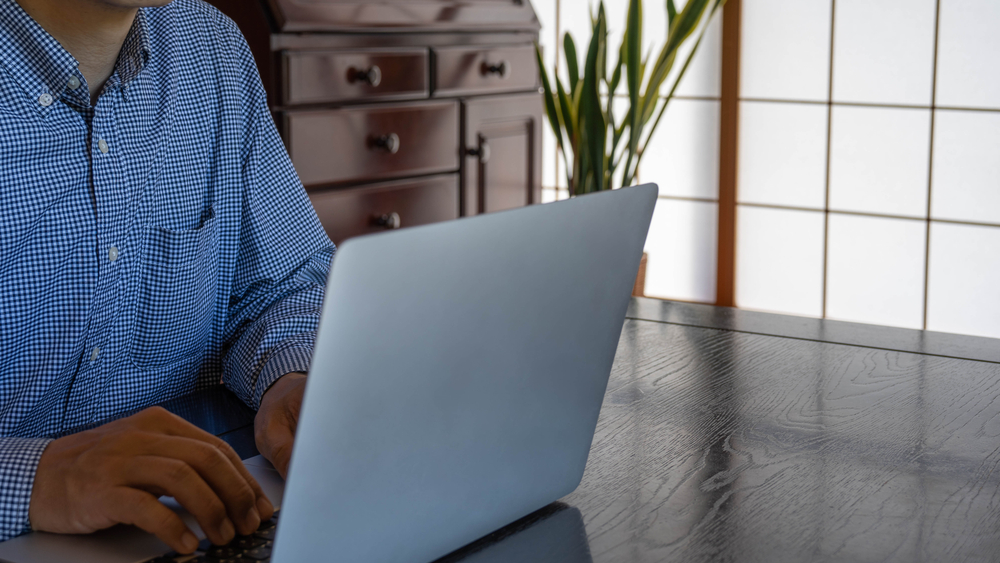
(729, 435)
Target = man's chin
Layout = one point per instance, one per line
(137, 3)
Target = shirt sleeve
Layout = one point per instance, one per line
(18, 462)
(284, 257)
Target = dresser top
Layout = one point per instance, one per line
(294, 16)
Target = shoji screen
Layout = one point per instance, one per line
(869, 162)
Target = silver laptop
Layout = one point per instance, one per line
(458, 375)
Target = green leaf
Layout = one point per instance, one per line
(671, 12)
(569, 113)
(601, 31)
(550, 99)
(685, 23)
(594, 128)
(634, 74)
(572, 63)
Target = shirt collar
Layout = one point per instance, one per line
(44, 69)
(135, 51)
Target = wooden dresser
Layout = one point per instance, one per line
(399, 113)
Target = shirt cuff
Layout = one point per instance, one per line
(282, 362)
(18, 462)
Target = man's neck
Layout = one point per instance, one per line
(92, 31)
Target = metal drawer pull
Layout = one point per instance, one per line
(388, 221)
(389, 143)
(483, 152)
(501, 69)
(372, 76)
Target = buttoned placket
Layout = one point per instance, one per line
(107, 186)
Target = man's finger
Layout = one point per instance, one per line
(281, 452)
(216, 469)
(275, 440)
(162, 421)
(181, 481)
(138, 508)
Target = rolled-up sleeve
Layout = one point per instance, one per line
(284, 258)
(18, 462)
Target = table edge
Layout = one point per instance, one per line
(975, 348)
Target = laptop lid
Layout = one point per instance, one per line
(458, 375)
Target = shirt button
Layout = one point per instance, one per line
(45, 100)
(112, 254)
(103, 146)
(95, 353)
(73, 83)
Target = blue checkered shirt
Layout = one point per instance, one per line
(149, 245)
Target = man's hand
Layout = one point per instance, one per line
(277, 418)
(114, 474)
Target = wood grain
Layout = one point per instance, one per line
(723, 446)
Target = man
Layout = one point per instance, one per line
(153, 238)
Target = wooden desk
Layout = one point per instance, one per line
(735, 436)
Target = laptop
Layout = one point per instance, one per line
(457, 378)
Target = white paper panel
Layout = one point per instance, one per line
(683, 157)
(966, 183)
(682, 251)
(879, 160)
(964, 277)
(548, 36)
(548, 195)
(968, 44)
(876, 270)
(786, 49)
(884, 51)
(782, 154)
(779, 260)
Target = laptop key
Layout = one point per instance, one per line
(267, 534)
(223, 552)
(258, 553)
(246, 542)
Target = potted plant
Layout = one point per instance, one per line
(595, 147)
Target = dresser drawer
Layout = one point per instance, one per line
(350, 212)
(339, 76)
(469, 70)
(366, 143)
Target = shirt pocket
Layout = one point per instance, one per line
(176, 294)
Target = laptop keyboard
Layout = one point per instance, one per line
(243, 549)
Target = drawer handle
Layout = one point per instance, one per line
(501, 69)
(389, 143)
(389, 221)
(483, 152)
(372, 76)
